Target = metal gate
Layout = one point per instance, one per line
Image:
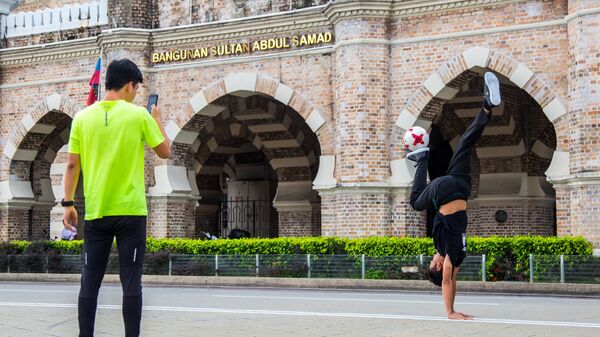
(253, 216)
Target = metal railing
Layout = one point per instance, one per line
(546, 269)
(253, 216)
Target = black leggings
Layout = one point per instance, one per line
(456, 184)
(130, 232)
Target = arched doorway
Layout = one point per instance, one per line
(510, 193)
(34, 161)
(248, 156)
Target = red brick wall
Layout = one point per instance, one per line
(34, 5)
(300, 223)
(361, 90)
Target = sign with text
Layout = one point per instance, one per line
(242, 48)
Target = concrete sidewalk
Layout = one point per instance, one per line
(592, 290)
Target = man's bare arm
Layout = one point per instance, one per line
(72, 175)
(71, 179)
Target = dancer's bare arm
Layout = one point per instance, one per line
(449, 290)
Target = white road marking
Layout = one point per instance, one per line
(39, 291)
(349, 299)
(317, 314)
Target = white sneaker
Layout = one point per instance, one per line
(418, 154)
(491, 90)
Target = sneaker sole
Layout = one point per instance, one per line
(423, 149)
(491, 81)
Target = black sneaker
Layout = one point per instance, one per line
(418, 155)
(491, 91)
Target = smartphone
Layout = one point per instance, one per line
(152, 100)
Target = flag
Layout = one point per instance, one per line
(95, 84)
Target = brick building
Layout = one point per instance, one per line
(287, 116)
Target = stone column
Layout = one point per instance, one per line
(359, 205)
(299, 220)
(298, 209)
(172, 203)
(16, 201)
(578, 195)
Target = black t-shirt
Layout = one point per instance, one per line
(449, 236)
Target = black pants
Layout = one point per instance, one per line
(456, 184)
(130, 232)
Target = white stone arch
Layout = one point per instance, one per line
(437, 86)
(246, 84)
(14, 190)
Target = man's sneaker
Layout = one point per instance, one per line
(491, 91)
(418, 155)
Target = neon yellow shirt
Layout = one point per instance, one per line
(109, 137)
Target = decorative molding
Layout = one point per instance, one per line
(344, 10)
(294, 21)
(420, 7)
(125, 37)
(44, 82)
(51, 52)
(313, 18)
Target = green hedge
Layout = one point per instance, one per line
(507, 258)
(518, 246)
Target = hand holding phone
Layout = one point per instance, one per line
(152, 100)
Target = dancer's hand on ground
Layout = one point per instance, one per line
(459, 316)
(466, 315)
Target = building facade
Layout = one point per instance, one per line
(287, 117)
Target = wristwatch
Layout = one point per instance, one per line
(64, 203)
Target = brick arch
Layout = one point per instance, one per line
(205, 104)
(35, 140)
(203, 153)
(442, 85)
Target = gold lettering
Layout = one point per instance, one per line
(196, 54)
(303, 40)
(242, 47)
(256, 46)
(185, 55)
(320, 38)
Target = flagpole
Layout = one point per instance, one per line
(100, 75)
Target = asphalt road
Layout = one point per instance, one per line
(46, 309)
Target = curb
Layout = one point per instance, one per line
(268, 282)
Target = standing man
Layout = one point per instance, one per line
(448, 196)
(107, 146)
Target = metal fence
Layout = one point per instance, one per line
(547, 269)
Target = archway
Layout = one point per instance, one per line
(517, 152)
(32, 172)
(247, 130)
